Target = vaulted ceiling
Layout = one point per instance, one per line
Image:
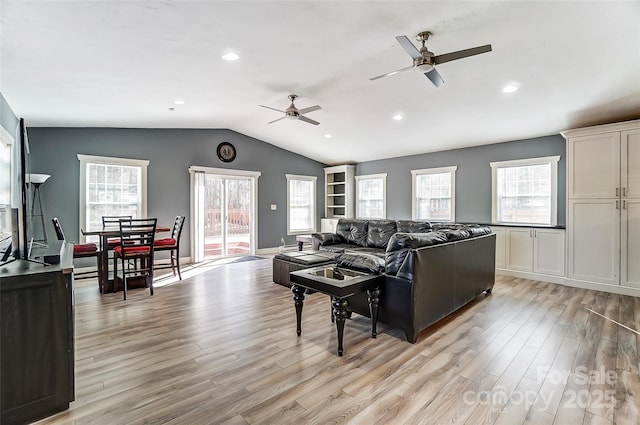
(123, 64)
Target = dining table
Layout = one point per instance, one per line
(104, 234)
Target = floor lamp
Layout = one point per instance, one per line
(37, 180)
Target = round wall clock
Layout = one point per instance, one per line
(226, 152)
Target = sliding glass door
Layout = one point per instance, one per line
(223, 206)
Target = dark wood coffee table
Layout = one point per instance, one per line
(339, 284)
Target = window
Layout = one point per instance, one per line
(525, 191)
(434, 194)
(111, 186)
(371, 196)
(6, 176)
(301, 204)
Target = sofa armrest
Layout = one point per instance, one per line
(324, 239)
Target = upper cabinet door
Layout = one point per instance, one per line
(630, 163)
(594, 166)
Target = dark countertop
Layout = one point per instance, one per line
(528, 226)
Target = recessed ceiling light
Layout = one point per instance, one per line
(398, 117)
(328, 136)
(178, 102)
(230, 56)
(510, 88)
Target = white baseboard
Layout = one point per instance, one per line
(561, 280)
(276, 249)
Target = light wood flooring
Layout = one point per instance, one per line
(221, 347)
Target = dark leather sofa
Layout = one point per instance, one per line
(430, 270)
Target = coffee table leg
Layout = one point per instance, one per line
(374, 300)
(298, 301)
(340, 313)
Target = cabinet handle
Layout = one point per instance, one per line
(617, 191)
(530, 232)
(617, 205)
(624, 191)
(624, 205)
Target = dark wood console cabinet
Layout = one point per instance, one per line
(36, 339)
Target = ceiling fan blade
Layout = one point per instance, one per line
(408, 46)
(309, 120)
(309, 109)
(391, 73)
(435, 77)
(447, 57)
(269, 107)
(281, 118)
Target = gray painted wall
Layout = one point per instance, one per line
(473, 176)
(170, 152)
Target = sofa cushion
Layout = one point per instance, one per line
(478, 230)
(353, 231)
(379, 233)
(363, 262)
(415, 240)
(378, 252)
(326, 238)
(410, 226)
(455, 234)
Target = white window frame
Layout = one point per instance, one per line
(91, 159)
(312, 179)
(440, 170)
(7, 140)
(359, 179)
(551, 160)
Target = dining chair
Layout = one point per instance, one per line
(171, 244)
(83, 250)
(113, 222)
(136, 243)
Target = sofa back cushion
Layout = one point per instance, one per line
(353, 231)
(415, 240)
(379, 233)
(410, 226)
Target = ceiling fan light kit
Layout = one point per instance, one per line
(425, 61)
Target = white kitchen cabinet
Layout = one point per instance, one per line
(630, 243)
(549, 251)
(519, 249)
(594, 240)
(501, 245)
(594, 166)
(532, 250)
(603, 190)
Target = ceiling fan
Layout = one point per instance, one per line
(294, 113)
(425, 61)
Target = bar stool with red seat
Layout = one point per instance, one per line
(171, 244)
(82, 250)
(136, 243)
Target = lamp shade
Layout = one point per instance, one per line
(37, 178)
